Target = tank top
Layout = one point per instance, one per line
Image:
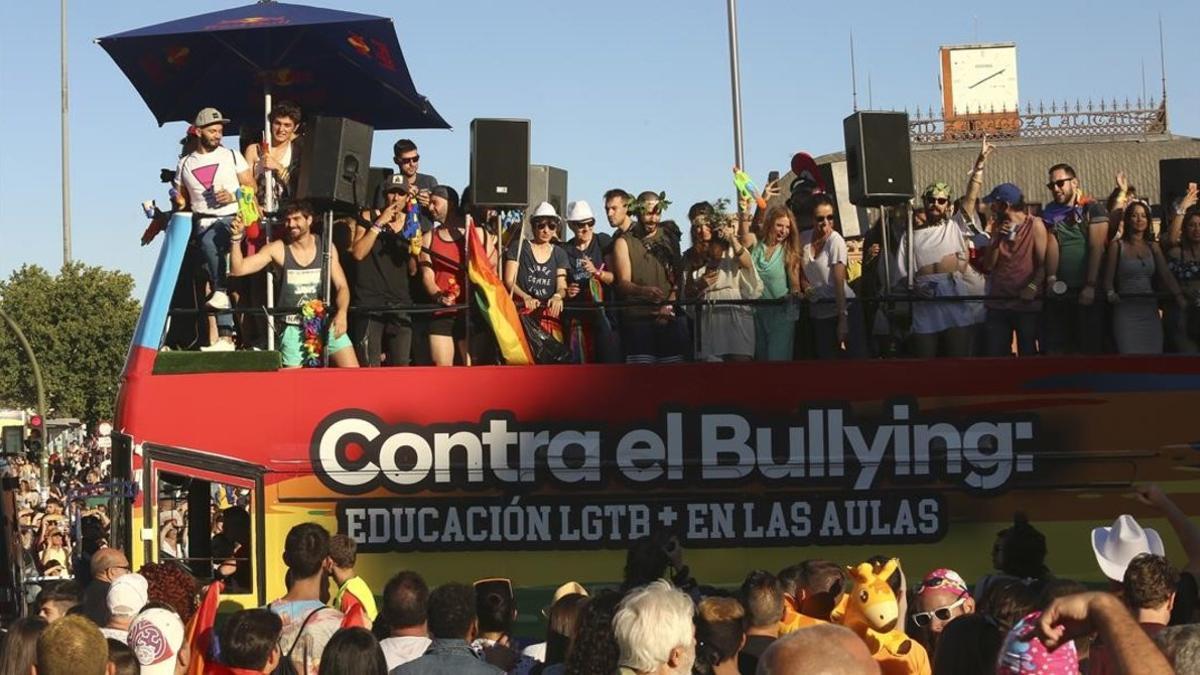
(300, 283)
(645, 270)
(1013, 269)
(449, 270)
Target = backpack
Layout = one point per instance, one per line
(285, 666)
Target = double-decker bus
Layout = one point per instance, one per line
(547, 473)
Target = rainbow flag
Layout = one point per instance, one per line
(496, 305)
(200, 629)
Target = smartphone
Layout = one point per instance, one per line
(772, 177)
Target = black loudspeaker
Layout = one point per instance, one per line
(335, 164)
(878, 158)
(1173, 178)
(500, 162)
(548, 184)
(379, 176)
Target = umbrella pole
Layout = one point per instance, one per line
(271, 209)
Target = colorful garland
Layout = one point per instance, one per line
(313, 320)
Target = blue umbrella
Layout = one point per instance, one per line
(327, 61)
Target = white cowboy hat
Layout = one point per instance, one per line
(544, 210)
(1116, 546)
(579, 211)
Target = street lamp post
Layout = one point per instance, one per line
(37, 381)
(66, 135)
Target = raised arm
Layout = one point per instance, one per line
(1081, 614)
(1186, 530)
(242, 266)
(364, 238)
(1175, 229)
(746, 234)
(975, 180)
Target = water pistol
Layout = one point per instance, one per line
(248, 210)
(746, 187)
(158, 221)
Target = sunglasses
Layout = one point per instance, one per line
(545, 225)
(940, 201)
(1058, 183)
(409, 160)
(922, 619)
(583, 224)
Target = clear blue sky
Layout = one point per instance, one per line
(630, 94)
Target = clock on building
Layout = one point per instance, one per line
(979, 79)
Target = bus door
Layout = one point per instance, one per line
(206, 514)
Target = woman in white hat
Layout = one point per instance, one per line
(535, 271)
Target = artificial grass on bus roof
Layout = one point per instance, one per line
(178, 363)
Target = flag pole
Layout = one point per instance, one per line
(735, 85)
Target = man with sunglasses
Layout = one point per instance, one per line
(940, 327)
(942, 597)
(1073, 254)
(419, 185)
(107, 565)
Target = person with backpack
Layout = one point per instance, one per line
(308, 624)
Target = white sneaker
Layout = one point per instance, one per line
(221, 345)
(219, 300)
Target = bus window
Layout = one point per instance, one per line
(205, 525)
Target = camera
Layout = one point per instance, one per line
(166, 176)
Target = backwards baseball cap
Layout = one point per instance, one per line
(209, 116)
(155, 637)
(1004, 192)
(944, 579)
(396, 183)
(127, 595)
(1022, 653)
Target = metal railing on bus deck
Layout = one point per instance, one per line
(888, 302)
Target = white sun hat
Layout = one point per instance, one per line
(544, 210)
(1117, 545)
(579, 211)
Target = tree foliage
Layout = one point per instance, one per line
(79, 325)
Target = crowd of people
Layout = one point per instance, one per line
(816, 616)
(983, 272)
(61, 523)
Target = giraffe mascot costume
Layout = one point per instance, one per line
(871, 610)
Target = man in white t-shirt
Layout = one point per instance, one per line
(208, 180)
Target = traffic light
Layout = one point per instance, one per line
(37, 430)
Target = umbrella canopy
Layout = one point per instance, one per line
(327, 61)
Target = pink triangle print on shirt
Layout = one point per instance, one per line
(205, 174)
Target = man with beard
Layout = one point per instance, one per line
(646, 266)
(939, 261)
(208, 179)
(300, 257)
(1079, 229)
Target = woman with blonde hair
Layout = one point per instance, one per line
(775, 250)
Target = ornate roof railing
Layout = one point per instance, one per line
(1059, 120)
